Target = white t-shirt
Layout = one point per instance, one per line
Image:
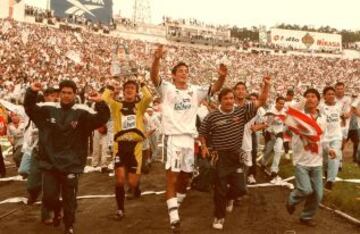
(345, 104)
(332, 114)
(356, 104)
(179, 107)
(247, 139)
(31, 138)
(304, 157)
(17, 133)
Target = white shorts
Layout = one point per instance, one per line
(345, 132)
(179, 153)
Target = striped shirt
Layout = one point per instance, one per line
(226, 130)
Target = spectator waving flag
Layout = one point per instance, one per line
(305, 126)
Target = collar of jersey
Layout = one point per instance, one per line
(226, 113)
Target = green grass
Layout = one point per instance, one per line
(351, 171)
(344, 196)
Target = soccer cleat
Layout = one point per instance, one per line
(328, 185)
(251, 179)
(119, 215)
(308, 222)
(69, 230)
(175, 227)
(290, 208)
(218, 224)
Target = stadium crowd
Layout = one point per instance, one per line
(31, 52)
(37, 58)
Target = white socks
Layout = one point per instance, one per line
(180, 197)
(172, 205)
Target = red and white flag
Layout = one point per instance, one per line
(305, 126)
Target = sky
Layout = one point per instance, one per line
(344, 14)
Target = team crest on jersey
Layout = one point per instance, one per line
(74, 124)
(190, 93)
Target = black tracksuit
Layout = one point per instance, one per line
(63, 134)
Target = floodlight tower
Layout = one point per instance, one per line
(141, 12)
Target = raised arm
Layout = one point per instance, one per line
(222, 72)
(146, 97)
(264, 92)
(31, 109)
(102, 115)
(155, 67)
(108, 95)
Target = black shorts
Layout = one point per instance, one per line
(129, 155)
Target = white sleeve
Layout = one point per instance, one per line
(202, 92)
(355, 103)
(163, 85)
(347, 105)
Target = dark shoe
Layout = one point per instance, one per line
(57, 220)
(69, 230)
(47, 222)
(328, 185)
(341, 166)
(175, 227)
(273, 174)
(290, 208)
(308, 222)
(325, 174)
(134, 195)
(24, 175)
(31, 200)
(119, 215)
(105, 170)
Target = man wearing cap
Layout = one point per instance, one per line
(63, 132)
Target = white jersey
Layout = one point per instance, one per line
(332, 114)
(276, 125)
(202, 112)
(179, 108)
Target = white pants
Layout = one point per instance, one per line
(100, 145)
(154, 145)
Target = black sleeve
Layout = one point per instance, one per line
(35, 112)
(204, 129)
(100, 118)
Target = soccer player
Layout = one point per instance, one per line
(180, 102)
